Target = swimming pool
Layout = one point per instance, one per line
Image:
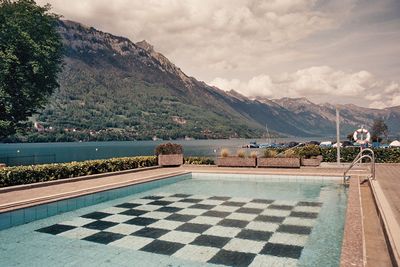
(192, 220)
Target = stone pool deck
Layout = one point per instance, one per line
(385, 192)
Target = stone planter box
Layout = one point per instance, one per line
(278, 162)
(236, 162)
(170, 160)
(311, 162)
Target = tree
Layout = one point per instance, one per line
(379, 128)
(30, 60)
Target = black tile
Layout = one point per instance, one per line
(153, 197)
(265, 218)
(280, 207)
(99, 225)
(281, 250)
(193, 227)
(309, 204)
(180, 217)
(169, 209)
(309, 215)
(220, 198)
(233, 203)
(294, 229)
(162, 247)
(210, 241)
(233, 223)
(249, 210)
(128, 205)
(56, 229)
(254, 235)
(232, 258)
(134, 212)
(103, 237)
(180, 195)
(150, 232)
(215, 213)
(190, 200)
(262, 201)
(202, 206)
(141, 221)
(160, 203)
(96, 215)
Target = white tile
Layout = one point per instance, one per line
(196, 253)
(276, 212)
(162, 194)
(262, 226)
(211, 202)
(132, 242)
(171, 199)
(198, 197)
(79, 233)
(206, 220)
(166, 224)
(148, 207)
(256, 205)
(242, 216)
(180, 204)
(125, 229)
(140, 201)
(78, 221)
(240, 199)
(180, 237)
(156, 215)
(288, 239)
(307, 209)
(285, 202)
(273, 261)
(118, 218)
(113, 210)
(225, 208)
(299, 221)
(190, 211)
(244, 245)
(222, 231)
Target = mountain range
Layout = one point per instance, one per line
(110, 84)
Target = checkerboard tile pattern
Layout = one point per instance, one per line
(214, 229)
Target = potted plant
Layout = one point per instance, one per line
(169, 154)
(240, 160)
(272, 159)
(310, 156)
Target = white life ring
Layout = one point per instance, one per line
(360, 141)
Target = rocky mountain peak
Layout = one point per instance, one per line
(145, 46)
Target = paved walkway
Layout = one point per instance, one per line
(388, 177)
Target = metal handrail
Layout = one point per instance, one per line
(359, 158)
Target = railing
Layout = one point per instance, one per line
(358, 159)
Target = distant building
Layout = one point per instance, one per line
(39, 127)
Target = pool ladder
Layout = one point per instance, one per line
(358, 159)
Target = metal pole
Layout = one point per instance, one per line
(337, 136)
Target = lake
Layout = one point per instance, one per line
(36, 153)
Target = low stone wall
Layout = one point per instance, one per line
(236, 162)
(278, 162)
(170, 160)
(311, 162)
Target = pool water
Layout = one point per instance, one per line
(193, 222)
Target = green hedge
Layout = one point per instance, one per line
(199, 161)
(347, 154)
(47, 172)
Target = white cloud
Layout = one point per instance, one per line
(320, 84)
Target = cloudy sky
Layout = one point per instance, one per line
(336, 51)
